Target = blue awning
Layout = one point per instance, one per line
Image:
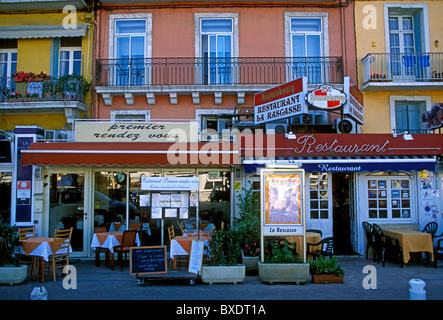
(346, 164)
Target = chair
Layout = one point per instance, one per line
(431, 228)
(315, 231)
(379, 245)
(26, 233)
(182, 227)
(370, 241)
(438, 252)
(128, 241)
(327, 248)
(60, 250)
(29, 233)
(391, 250)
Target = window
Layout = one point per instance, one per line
(70, 56)
(216, 50)
(406, 113)
(401, 34)
(214, 127)
(306, 45)
(389, 197)
(319, 196)
(8, 62)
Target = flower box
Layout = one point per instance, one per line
(13, 275)
(250, 262)
(223, 274)
(327, 278)
(283, 272)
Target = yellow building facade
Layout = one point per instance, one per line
(399, 62)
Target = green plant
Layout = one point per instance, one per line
(248, 224)
(9, 245)
(281, 251)
(224, 248)
(326, 266)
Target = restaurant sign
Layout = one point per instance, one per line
(86, 131)
(283, 101)
(326, 97)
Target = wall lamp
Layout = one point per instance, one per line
(290, 135)
(406, 136)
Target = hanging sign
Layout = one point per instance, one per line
(326, 97)
(169, 183)
(281, 102)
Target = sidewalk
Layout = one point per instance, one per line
(392, 283)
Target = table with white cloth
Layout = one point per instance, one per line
(182, 245)
(40, 248)
(108, 241)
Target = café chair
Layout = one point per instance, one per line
(128, 241)
(438, 252)
(326, 248)
(29, 233)
(60, 250)
(315, 231)
(391, 249)
(432, 228)
(370, 240)
(378, 234)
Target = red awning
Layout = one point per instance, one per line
(131, 154)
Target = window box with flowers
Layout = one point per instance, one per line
(14, 96)
(377, 77)
(437, 76)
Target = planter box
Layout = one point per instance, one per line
(283, 272)
(327, 278)
(13, 275)
(251, 263)
(223, 274)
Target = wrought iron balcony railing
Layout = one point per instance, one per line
(403, 67)
(216, 71)
(65, 88)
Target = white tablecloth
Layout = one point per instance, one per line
(110, 242)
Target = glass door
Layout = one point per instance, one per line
(67, 207)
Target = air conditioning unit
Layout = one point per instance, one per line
(55, 135)
(278, 127)
(349, 126)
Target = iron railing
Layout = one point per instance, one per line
(64, 88)
(403, 67)
(216, 71)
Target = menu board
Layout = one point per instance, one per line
(148, 260)
(195, 261)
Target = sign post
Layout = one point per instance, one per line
(282, 204)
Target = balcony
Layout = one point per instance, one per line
(403, 71)
(216, 76)
(54, 95)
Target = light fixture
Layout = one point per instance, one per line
(290, 135)
(406, 136)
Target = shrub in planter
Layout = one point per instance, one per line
(326, 270)
(11, 271)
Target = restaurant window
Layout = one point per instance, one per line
(389, 197)
(319, 196)
(5, 191)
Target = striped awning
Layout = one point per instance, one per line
(36, 31)
(345, 164)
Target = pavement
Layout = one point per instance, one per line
(364, 280)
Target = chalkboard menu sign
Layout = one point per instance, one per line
(148, 260)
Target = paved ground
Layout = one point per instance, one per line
(388, 283)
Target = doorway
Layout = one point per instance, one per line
(341, 212)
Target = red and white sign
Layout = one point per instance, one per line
(354, 108)
(283, 101)
(326, 97)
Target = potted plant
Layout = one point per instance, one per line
(224, 255)
(326, 271)
(72, 86)
(282, 264)
(248, 227)
(11, 269)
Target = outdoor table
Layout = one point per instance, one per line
(42, 249)
(108, 241)
(311, 237)
(411, 241)
(181, 245)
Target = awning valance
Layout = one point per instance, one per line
(346, 164)
(36, 31)
(131, 154)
